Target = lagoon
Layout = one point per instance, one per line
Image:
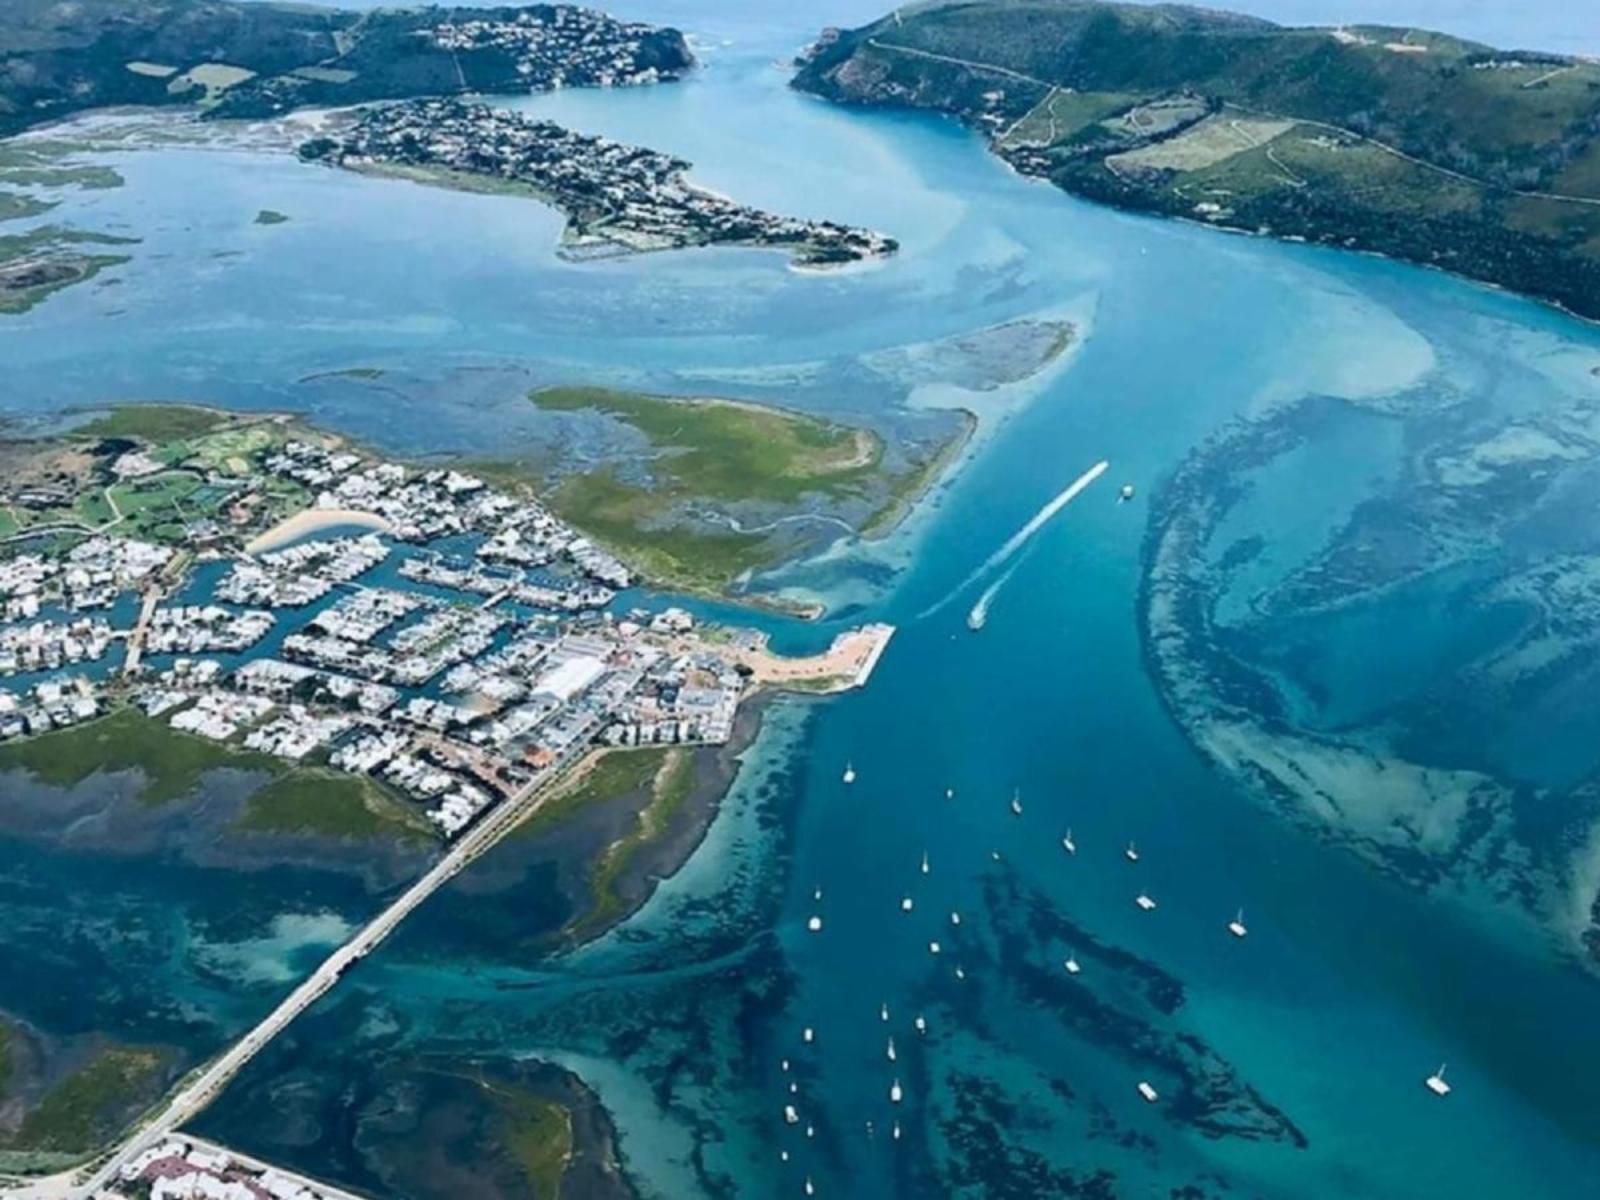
(1291, 1063)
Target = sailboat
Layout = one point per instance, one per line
(895, 1132)
(889, 1050)
(849, 773)
(883, 1012)
(1072, 965)
(811, 1188)
(924, 862)
(933, 947)
(808, 1035)
(921, 1023)
(1236, 926)
(905, 904)
(894, 1092)
(814, 924)
(1436, 1083)
(1131, 853)
(1145, 902)
(1067, 844)
(949, 793)
(955, 918)
(1016, 804)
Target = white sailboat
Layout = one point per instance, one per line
(811, 1189)
(849, 773)
(808, 1035)
(924, 862)
(1149, 1093)
(1131, 853)
(1072, 965)
(1067, 844)
(933, 947)
(921, 1023)
(905, 904)
(895, 1092)
(883, 1012)
(955, 918)
(1236, 926)
(814, 924)
(889, 1052)
(790, 1116)
(1436, 1083)
(1145, 902)
(1016, 803)
(895, 1132)
(949, 793)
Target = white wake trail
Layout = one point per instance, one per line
(1020, 538)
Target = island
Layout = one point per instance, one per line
(617, 198)
(1412, 144)
(238, 59)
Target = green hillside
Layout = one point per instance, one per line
(243, 58)
(1411, 143)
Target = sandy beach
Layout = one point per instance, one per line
(314, 520)
(846, 664)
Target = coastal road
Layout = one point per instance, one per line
(204, 1087)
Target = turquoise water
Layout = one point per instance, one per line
(1290, 1064)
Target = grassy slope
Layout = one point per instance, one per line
(711, 451)
(1529, 127)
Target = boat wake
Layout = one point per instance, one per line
(979, 615)
(1015, 543)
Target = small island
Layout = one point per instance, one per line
(617, 198)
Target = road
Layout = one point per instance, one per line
(204, 1087)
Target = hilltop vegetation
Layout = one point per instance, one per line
(254, 59)
(1414, 144)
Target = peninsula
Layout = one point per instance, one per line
(240, 59)
(1412, 144)
(437, 657)
(617, 198)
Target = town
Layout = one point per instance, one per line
(455, 642)
(617, 198)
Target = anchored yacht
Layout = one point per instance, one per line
(849, 773)
(1236, 926)
(1436, 1083)
(1067, 844)
(1145, 902)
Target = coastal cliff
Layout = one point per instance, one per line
(1411, 144)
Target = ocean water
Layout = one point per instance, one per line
(1327, 406)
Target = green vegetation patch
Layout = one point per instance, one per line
(15, 206)
(156, 423)
(669, 791)
(729, 451)
(537, 1132)
(630, 519)
(706, 450)
(330, 804)
(85, 1107)
(171, 762)
(614, 773)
